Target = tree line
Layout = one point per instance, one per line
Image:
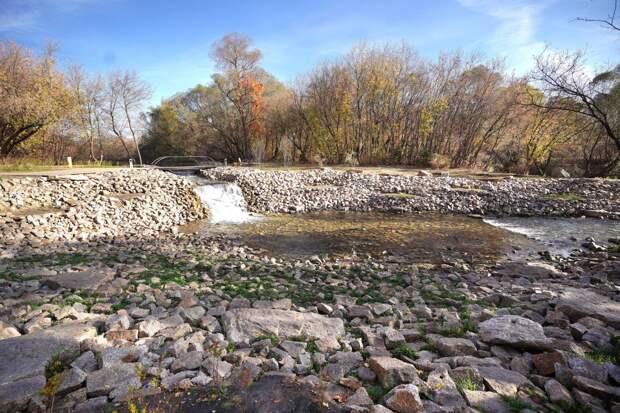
(388, 105)
(375, 105)
(48, 114)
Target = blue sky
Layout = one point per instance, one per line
(168, 42)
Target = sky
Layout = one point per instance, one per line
(168, 42)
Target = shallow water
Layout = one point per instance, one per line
(426, 237)
(560, 235)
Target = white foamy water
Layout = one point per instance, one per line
(224, 200)
(560, 235)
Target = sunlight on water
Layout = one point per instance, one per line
(561, 235)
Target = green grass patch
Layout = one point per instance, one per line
(516, 404)
(376, 393)
(271, 337)
(403, 350)
(61, 259)
(466, 382)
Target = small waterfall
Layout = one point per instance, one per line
(224, 200)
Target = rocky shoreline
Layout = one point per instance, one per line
(326, 189)
(144, 319)
(103, 206)
(129, 322)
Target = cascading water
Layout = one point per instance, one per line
(224, 200)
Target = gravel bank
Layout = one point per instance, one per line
(125, 203)
(319, 190)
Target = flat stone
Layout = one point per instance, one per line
(515, 331)
(26, 356)
(486, 401)
(453, 346)
(15, 395)
(444, 391)
(104, 381)
(359, 398)
(72, 380)
(557, 393)
(404, 399)
(391, 371)
(243, 325)
(87, 281)
(529, 269)
(187, 361)
(596, 388)
(86, 362)
(502, 381)
(96, 404)
(293, 347)
(578, 303)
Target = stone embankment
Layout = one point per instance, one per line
(319, 190)
(124, 203)
(127, 320)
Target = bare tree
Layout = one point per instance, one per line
(610, 21)
(88, 93)
(567, 87)
(126, 96)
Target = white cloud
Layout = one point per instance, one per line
(515, 35)
(24, 15)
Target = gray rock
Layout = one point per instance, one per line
(514, 331)
(72, 380)
(15, 395)
(218, 369)
(577, 303)
(26, 356)
(444, 391)
(104, 381)
(86, 362)
(391, 371)
(96, 404)
(359, 398)
(87, 281)
(502, 381)
(486, 401)
(596, 388)
(243, 325)
(187, 361)
(453, 346)
(557, 393)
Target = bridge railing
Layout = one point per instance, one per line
(184, 162)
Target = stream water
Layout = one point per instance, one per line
(429, 237)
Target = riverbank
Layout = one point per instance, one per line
(326, 312)
(325, 189)
(99, 323)
(103, 206)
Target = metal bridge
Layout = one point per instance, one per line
(196, 163)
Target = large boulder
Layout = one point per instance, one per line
(392, 371)
(87, 281)
(578, 303)
(245, 324)
(515, 331)
(23, 361)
